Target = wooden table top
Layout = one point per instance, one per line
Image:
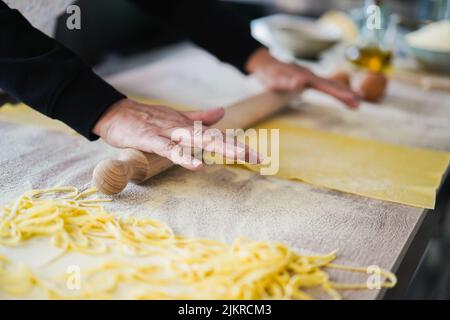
(224, 203)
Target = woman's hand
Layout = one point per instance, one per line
(155, 128)
(281, 76)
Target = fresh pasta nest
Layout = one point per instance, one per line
(164, 265)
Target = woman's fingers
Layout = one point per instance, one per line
(345, 95)
(211, 140)
(297, 82)
(208, 117)
(283, 78)
(229, 146)
(171, 150)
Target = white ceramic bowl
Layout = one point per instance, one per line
(430, 46)
(437, 61)
(302, 37)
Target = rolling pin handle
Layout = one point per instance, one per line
(112, 176)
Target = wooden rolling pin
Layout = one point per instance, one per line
(426, 81)
(112, 176)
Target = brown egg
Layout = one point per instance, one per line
(369, 85)
(341, 77)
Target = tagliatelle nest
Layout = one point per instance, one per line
(179, 268)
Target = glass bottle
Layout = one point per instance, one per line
(375, 46)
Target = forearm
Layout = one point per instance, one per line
(208, 24)
(50, 78)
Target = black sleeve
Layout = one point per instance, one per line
(48, 77)
(209, 24)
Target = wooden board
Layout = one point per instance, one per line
(223, 203)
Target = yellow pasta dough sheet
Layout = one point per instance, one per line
(368, 168)
(23, 114)
(364, 167)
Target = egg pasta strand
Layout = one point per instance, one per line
(165, 265)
